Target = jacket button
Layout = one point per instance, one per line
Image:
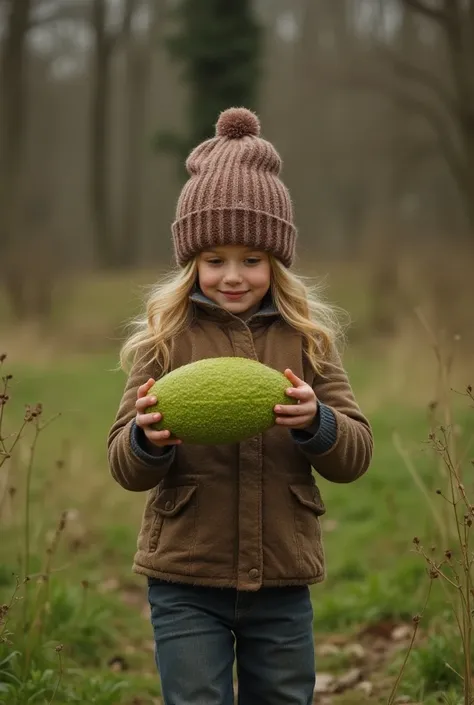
(253, 574)
(169, 505)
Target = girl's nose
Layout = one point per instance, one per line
(232, 276)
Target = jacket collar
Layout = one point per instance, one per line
(267, 309)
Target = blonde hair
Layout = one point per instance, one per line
(167, 314)
(302, 306)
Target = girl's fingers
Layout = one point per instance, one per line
(304, 393)
(295, 422)
(295, 410)
(144, 388)
(143, 420)
(144, 402)
(162, 437)
(295, 381)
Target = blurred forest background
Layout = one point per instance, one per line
(370, 103)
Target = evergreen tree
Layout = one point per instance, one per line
(218, 44)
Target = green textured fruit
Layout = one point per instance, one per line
(219, 400)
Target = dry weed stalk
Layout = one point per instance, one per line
(32, 623)
(58, 650)
(4, 615)
(453, 523)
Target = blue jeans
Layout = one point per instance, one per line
(199, 631)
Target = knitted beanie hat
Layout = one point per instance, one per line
(234, 195)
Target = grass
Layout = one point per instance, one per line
(84, 635)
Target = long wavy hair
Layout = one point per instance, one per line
(300, 304)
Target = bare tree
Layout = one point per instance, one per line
(456, 20)
(445, 104)
(115, 245)
(12, 131)
(137, 58)
(99, 156)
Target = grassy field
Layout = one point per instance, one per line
(82, 635)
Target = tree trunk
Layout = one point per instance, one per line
(459, 34)
(137, 74)
(456, 21)
(99, 156)
(12, 137)
(12, 107)
(468, 196)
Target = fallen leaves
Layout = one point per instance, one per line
(351, 665)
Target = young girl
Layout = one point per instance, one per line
(230, 538)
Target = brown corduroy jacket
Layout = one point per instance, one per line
(243, 515)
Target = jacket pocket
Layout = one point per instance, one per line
(168, 504)
(308, 507)
(309, 496)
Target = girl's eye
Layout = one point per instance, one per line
(253, 260)
(214, 261)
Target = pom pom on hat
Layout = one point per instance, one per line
(236, 123)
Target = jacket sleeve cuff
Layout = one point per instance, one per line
(138, 446)
(321, 436)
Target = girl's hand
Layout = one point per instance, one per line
(144, 420)
(302, 414)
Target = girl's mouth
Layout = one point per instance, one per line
(233, 295)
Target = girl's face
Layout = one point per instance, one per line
(234, 277)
